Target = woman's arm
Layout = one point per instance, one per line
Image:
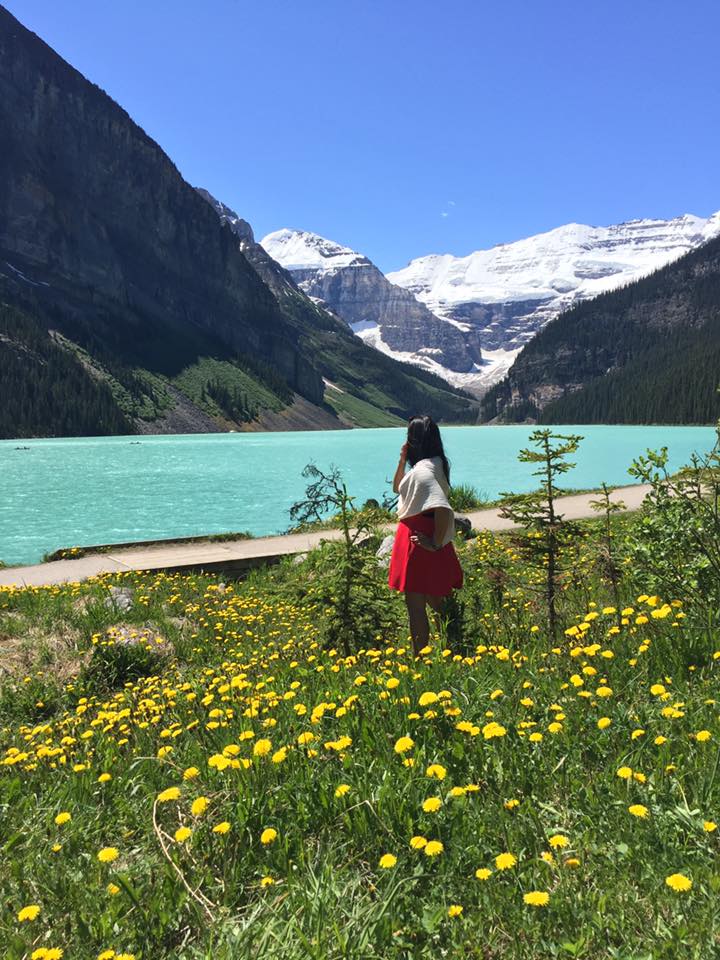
(443, 519)
(400, 471)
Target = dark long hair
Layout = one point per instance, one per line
(423, 439)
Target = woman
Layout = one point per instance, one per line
(423, 564)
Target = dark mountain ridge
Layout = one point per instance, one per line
(103, 242)
(90, 205)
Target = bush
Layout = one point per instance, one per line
(464, 497)
(119, 658)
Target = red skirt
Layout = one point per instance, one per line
(413, 569)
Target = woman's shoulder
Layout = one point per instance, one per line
(430, 464)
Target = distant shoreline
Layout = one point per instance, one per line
(139, 438)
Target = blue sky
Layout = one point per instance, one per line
(406, 127)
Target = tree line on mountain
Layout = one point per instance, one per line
(676, 383)
(233, 401)
(45, 391)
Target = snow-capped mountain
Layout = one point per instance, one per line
(440, 311)
(506, 294)
(384, 315)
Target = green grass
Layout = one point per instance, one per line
(72, 553)
(359, 413)
(194, 379)
(503, 729)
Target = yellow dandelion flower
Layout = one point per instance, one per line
(104, 778)
(172, 793)
(267, 882)
(218, 761)
(433, 848)
(625, 773)
(199, 806)
(572, 862)
(427, 698)
(113, 889)
(493, 729)
(108, 854)
(387, 861)
(536, 898)
(63, 817)
(28, 913)
(558, 841)
(268, 836)
(603, 723)
(678, 882)
(709, 826)
(342, 789)
(262, 747)
(505, 861)
(702, 736)
(222, 827)
(417, 843)
(403, 744)
(437, 771)
(638, 810)
(455, 910)
(182, 834)
(432, 804)
(483, 873)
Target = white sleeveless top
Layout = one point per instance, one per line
(425, 487)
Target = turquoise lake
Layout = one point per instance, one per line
(61, 493)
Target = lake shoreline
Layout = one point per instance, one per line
(234, 558)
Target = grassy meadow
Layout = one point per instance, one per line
(204, 775)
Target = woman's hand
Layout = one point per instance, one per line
(400, 469)
(424, 541)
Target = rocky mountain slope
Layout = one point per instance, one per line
(508, 293)
(379, 312)
(648, 352)
(126, 268)
(355, 375)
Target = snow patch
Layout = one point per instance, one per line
(26, 279)
(302, 250)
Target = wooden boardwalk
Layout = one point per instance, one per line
(232, 556)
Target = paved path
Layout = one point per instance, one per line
(239, 554)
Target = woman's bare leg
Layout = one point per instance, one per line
(419, 627)
(436, 605)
